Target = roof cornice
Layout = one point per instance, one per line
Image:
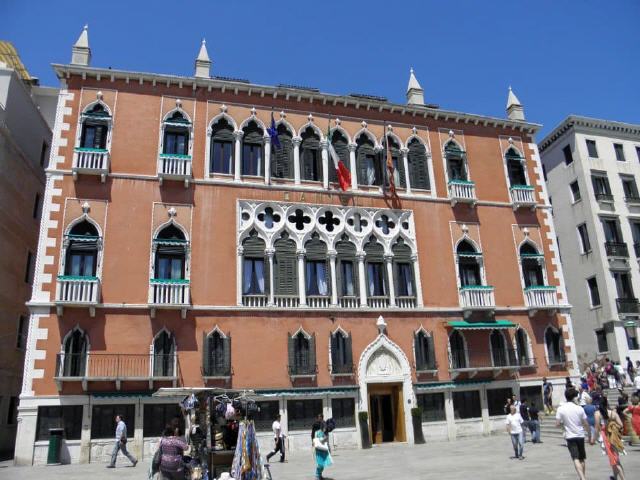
(587, 123)
(66, 71)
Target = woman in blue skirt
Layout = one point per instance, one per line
(322, 455)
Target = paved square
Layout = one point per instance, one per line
(476, 458)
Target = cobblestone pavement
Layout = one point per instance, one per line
(477, 458)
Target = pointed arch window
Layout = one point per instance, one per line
(95, 127)
(164, 355)
(285, 267)
(499, 353)
(346, 269)
(317, 271)
(311, 156)
(170, 256)
(282, 157)
(522, 346)
(177, 130)
(555, 346)
(254, 267)
(531, 266)
(217, 354)
(302, 355)
(376, 274)
(418, 165)
(396, 158)
(341, 146)
(368, 162)
(468, 264)
(458, 350)
(403, 270)
(253, 150)
(424, 351)
(222, 149)
(515, 168)
(341, 353)
(456, 162)
(75, 354)
(82, 251)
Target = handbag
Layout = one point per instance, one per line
(123, 440)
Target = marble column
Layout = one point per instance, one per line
(238, 134)
(296, 159)
(302, 290)
(362, 280)
(352, 166)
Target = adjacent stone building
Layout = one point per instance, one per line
(25, 136)
(592, 168)
(195, 234)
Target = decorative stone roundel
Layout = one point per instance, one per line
(330, 222)
(383, 364)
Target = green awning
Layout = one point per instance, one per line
(294, 392)
(420, 387)
(463, 324)
(630, 323)
(121, 394)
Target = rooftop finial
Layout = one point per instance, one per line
(80, 52)
(203, 63)
(514, 107)
(415, 93)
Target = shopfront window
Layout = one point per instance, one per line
(432, 405)
(632, 338)
(103, 423)
(68, 417)
(343, 412)
(302, 413)
(157, 417)
(496, 400)
(266, 414)
(466, 405)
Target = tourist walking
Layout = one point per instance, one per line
(524, 413)
(513, 424)
(630, 370)
(121, 443)
(172, 447)
(322, 454)
(547, 392)
(534, 423)
(590, 411)
(611, 424)
(634, 410)
(573, 419)
(636, 382)
(278, 439)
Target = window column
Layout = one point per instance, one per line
(388, 261)
(267, 160)
(417, 280)
(352, 165)
(362, 282)
(334, 284)
(324, 144)
(238, 134)
(405, 162)
(239, 266)
(296, 159)
(270, 254)
(302, 284)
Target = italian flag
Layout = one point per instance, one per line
(344, 176)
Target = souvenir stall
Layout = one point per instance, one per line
(219, 431)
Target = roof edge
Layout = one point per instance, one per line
(64, 71)
(587, 122)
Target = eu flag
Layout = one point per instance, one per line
(273, 133)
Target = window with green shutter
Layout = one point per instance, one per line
(317, 276)
(302, 354)
(398, 163)
(310, 156)
(418, 165)
(346, 268)
(255, 267)
(424, 351)
(217, 358)
(282, 157)
(252, 150)
(403, 269)
(368, 162)
(285, 266)
(221, 158)
(341, 353)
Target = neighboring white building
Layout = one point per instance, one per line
(592, 169)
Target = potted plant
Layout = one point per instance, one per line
(416, 420)
(363, 418)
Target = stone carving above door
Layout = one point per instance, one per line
(383, 364)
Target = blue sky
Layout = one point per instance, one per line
(560, 56)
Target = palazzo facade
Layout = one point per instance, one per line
(183, 244)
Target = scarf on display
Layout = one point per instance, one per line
(247, 464)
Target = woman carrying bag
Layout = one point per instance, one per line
(322, 455)
(611, 425)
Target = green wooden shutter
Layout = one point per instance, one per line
(340, 145)
(417, 347)
(348, 351)
(334, 346)
(206, 355)
(346, 252)
(282, 158)
(431, 358)
(292, 353)
(285, 267)
(374, 251)
(365, 147)
(418, 166)
(226, 355)
(312, 354)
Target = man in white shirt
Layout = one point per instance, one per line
(636, 383)
(121, 443)
(513, 424)
(278, 438)
(584, 398)
(574, 420)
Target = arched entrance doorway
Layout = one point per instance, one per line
(385, 391)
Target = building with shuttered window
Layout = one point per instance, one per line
(185, 245)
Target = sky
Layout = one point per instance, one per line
(561, 57)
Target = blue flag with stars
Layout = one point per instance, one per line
(273, 133)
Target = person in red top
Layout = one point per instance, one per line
(172, 447)
(634, 409)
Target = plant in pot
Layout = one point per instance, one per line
(363, 418)
(416, 420)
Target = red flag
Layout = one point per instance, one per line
(342, 172)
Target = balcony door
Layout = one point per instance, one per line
(624, 287)
(163, 355)
(75, 354)
(611, 231)
(498, 349)
(458, 350)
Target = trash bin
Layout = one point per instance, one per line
(55, 446)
